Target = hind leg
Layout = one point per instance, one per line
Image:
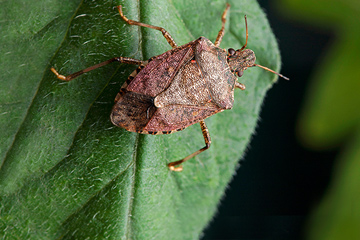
(207, 139)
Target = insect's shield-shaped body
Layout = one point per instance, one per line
(178, 88)
(182, 86)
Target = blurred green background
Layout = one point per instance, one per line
(300, 178)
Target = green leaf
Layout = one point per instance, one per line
(66, 171)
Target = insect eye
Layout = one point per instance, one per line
(231, 51)
(239, 73)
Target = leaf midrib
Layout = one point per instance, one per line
(128, 228)
(128, 225)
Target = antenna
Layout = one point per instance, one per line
(268, 69)
(247, 34)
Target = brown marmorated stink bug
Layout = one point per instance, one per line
(178, 88)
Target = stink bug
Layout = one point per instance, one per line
(178, 88)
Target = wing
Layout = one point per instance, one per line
(159, 72)
(206, 78)
(136, 113)
(132, 111)
(189, 87)
(177, 117)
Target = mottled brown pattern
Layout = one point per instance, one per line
(131, 77)
(132, 111)
(207, 78)
(187, 88)
(175, 117)
(180, 94)
(136, 112)
(216, 72)
(158, 73)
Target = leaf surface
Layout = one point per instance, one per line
(66, 171)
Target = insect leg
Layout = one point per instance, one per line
(116, 59)
(168, 37)
(222, 32)
(207, 139)
(240, 85)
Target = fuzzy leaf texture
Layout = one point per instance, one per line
(66, 171)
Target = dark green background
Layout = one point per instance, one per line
(280, 181)
(300, 177)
